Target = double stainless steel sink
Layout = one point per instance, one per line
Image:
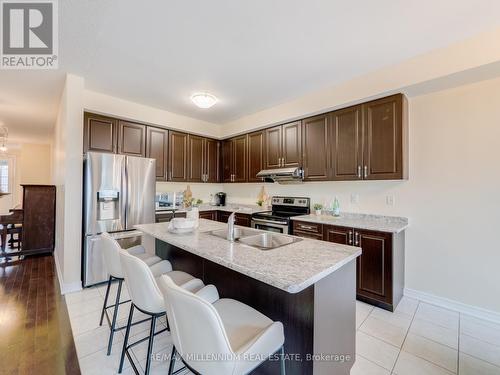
(258, 239)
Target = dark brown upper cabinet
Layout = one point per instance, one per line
(196, 171)
(131, 139)
(240, 158)
(346, 144)
(383, 155)
(157, 148)
(235, 159)
(212, 158)
(283, 146)
(227, 160)
(178, 156)
(100, 133)
(315, 148)
(203, 159)
(273, 147)
(255, 155)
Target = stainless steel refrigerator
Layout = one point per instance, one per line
(118, 193)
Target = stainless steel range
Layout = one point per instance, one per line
(278, 219)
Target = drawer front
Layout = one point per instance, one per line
(209, 215)
(310, 235)
(165, 217)
(303, 226)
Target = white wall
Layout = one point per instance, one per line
(113, 106)
(67, 176)
(451, 198)
(469, 57)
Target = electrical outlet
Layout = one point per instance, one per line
(354, 198)
(390, 200)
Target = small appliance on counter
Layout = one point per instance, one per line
(278, 219)
(220, 199)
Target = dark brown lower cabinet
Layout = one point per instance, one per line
(241, 219)
(209, 215)
(380, 269)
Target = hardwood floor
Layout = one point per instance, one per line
(35, 332)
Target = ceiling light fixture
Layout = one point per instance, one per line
(203, 100)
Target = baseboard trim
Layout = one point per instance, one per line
(450, 304)
(65, 287)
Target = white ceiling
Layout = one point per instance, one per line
(252, 55)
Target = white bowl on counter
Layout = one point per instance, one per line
(182, 225)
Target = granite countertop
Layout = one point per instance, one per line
(291, 268)
(390, 224)
(231, 207)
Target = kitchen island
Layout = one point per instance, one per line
(310, 286)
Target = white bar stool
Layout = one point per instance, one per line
(228, 336)
(111, 250)
(147, 297)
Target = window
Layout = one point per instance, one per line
(4, 176)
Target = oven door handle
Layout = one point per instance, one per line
(269, 222)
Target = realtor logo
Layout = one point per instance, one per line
(29, 34)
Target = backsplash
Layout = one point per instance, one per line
(371, 196)
(199, 190)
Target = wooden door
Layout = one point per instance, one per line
(240, 158)
(196, 167)
(383, 139)
(374, 266)
(131, 139)
(100, 133)
(256, 146)
(341, 235)
(346, 134)
(157, 148)
(315, 148)
(227, 160)
(212, 162)
(291, 151)
(273, 154)
(178, 155)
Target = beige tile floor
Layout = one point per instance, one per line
(417, 339)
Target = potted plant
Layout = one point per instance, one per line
(317, 208)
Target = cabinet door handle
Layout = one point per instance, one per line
(366, 171)
(359, 171)
(350, 237)
(356, 238)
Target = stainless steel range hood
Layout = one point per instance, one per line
(283, 175)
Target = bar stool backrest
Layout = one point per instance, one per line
(197, 330)
(142, 287)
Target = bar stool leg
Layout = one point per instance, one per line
(115, 314)
(105, 300)
(150, 345)
(172, 361)
(125, 341)
(282, 355)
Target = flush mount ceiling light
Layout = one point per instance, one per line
(203, 99)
